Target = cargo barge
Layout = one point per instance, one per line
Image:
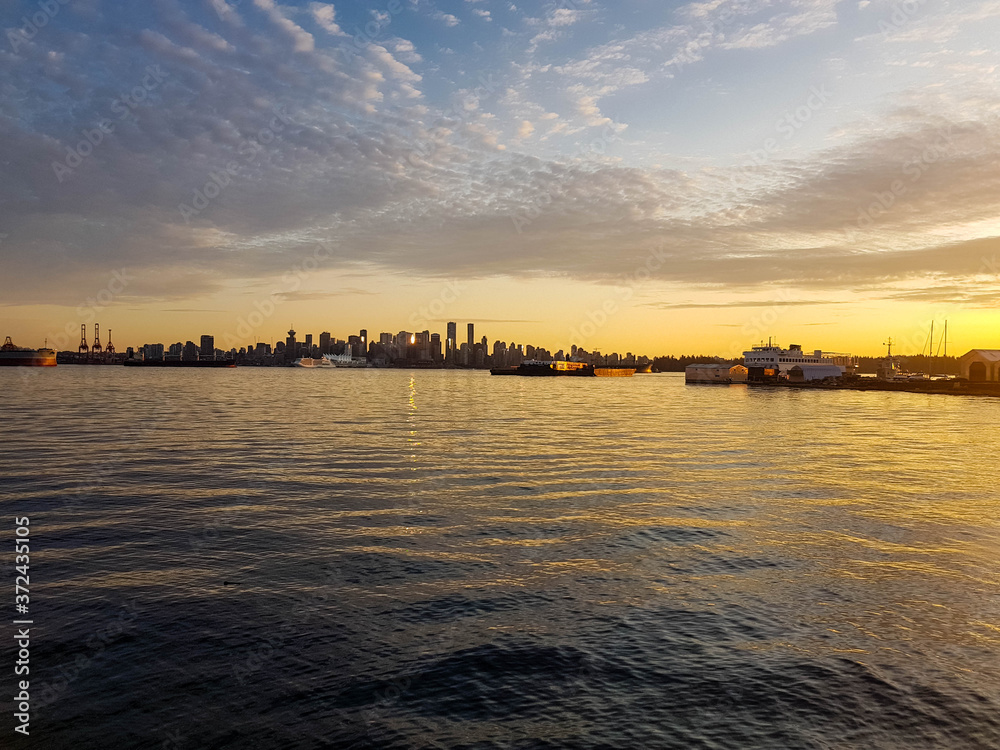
(180, 363)
(560, 368)
(12, 355)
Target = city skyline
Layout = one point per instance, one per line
(918, 339)
(702, 175)
(409, 347)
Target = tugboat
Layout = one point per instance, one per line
(18, 356)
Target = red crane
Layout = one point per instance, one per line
(110, 348)
(84, 349)
(97, 348)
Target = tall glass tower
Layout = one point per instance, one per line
(451, 344)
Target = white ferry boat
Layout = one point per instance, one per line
(311, 363)
(345, 360)
(795, 364)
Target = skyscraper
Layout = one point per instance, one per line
(472, 345)
(324, 342)
(290, 346)
(450, 343)
(207, 347)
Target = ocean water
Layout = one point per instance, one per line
(276, 558)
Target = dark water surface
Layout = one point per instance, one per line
(351, 559)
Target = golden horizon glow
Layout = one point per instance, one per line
(555, 314)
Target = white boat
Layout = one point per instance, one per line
(344, 360)
(813, 366)
(311, 363)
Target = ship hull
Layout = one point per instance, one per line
(27, 359)
(543, 370)
(179, 363)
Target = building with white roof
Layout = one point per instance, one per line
(981, 365)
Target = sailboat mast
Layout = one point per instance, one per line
(930, 366)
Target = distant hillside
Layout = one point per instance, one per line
(672, 363)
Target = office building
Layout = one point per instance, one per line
(450, 343)
(207, 348)
(152, 351)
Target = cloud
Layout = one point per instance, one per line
(303, 40)
(800, 18)
(586, 107)
(564, 17)
(324, 14)
(313, 296)
(304, 139)
(446, 18)
(739, 304)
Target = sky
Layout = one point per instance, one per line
(654, 177)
